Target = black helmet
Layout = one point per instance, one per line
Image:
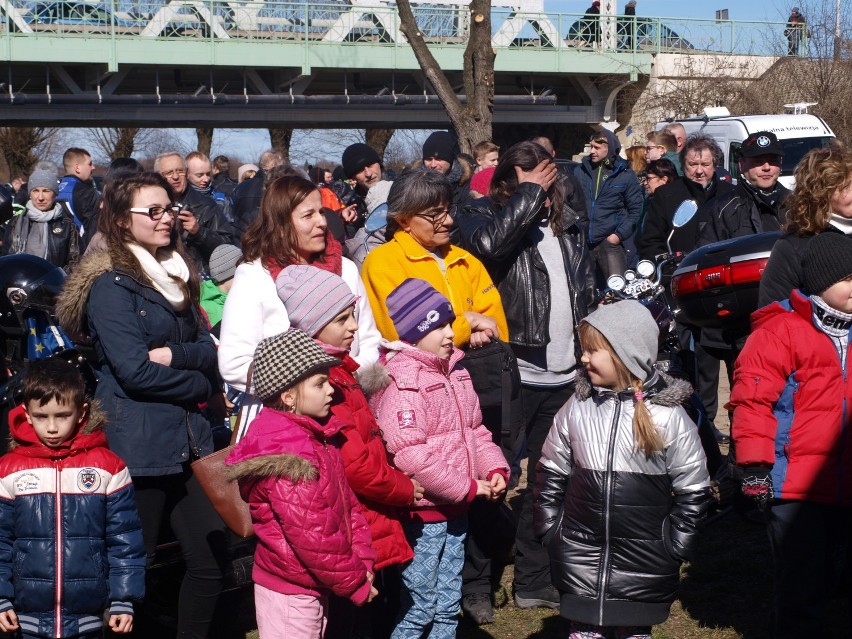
(27, 283)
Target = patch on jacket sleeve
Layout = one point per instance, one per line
(406, 418)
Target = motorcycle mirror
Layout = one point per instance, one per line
(646, 268)
(378, 219)
(630, 275)
(684, 213)
(616, 282)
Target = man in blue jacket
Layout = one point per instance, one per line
(614, 200)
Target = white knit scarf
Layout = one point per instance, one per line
(162, 270)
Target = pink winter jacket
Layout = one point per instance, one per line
(430, 419)
(311, 536)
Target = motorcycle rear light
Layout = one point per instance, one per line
(746, 272)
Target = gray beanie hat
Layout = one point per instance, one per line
(44, 179)
(632, 332)
(223, 262)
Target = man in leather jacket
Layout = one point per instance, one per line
(534, 247)
(203, 224)
(248, 194)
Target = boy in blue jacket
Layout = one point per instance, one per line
(70, 540)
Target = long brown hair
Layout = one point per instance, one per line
(527, 155)
(114, 224)
(819, 175)
(271, 235)
(645, 433)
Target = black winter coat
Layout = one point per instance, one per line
(247, 197)
(784, 269)
(740, 213)
(155, 423)
(617, 523)
(63, 238)
(658, 220)
(500, 238)
(214, 228)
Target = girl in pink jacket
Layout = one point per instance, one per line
(430, 418)
(312, 539)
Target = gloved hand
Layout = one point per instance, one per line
(757, 485)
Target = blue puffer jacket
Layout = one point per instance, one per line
(614, 197)
(155, 423)
(86, 489)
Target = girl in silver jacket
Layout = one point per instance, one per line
(622, 482)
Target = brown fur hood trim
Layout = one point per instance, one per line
(71, 305)
(95, 421)
(292, 467)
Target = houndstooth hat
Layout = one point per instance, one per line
(284, 360)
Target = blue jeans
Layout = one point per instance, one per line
(432, 580)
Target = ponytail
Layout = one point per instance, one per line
(645, 432)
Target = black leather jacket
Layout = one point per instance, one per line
(499, 237)
(247, 197)
(741, 213)
(63, 238)
(214, 227)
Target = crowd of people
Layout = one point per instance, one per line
(374, 460)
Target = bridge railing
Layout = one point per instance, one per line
(376, 23)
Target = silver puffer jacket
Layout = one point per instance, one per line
(616, 522)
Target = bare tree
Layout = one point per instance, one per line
(115, 142)
(23, 146)
(280, 138)
(205, 139)
(378, 139)
(471, 121)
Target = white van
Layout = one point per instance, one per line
(798, 134)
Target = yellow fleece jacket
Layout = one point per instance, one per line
(466, 283)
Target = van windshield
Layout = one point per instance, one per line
(795, 149)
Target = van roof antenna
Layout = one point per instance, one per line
(800, 107)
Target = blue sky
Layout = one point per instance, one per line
(772, 10)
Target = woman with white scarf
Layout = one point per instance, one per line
(46, 227)
(137, 304)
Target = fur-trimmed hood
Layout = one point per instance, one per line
(661, 389)
(293, 467)
(71, 305)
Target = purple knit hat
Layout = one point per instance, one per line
(417, 309)
(313, 297)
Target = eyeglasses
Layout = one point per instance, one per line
(173, 173)
(157, 212)
(436, 217)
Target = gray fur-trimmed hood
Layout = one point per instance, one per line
(373, 378)
(662, 389)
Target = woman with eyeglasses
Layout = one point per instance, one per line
(136, 302)
(533, 245)
(419, 246)
(290, 228)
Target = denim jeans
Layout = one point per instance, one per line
(432, 580)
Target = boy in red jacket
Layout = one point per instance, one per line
(70, 540)
(792, 400)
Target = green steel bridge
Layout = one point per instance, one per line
(332, 63)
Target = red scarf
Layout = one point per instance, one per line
(331, 261)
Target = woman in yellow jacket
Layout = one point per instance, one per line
(419, 223)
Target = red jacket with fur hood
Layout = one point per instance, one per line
(381, 488)
(312, 537)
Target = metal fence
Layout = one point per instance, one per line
(343, 22)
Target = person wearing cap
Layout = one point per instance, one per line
(46, 227)
(214, 291)
(313, 539)
(791, 396)
(613, 199)
(796, 32)
(623, 484)
(441, 153)
(431, 422)
(757, 203)
(363, 166)
(590, 29)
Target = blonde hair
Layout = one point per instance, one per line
(645, 433)
(819, 175)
